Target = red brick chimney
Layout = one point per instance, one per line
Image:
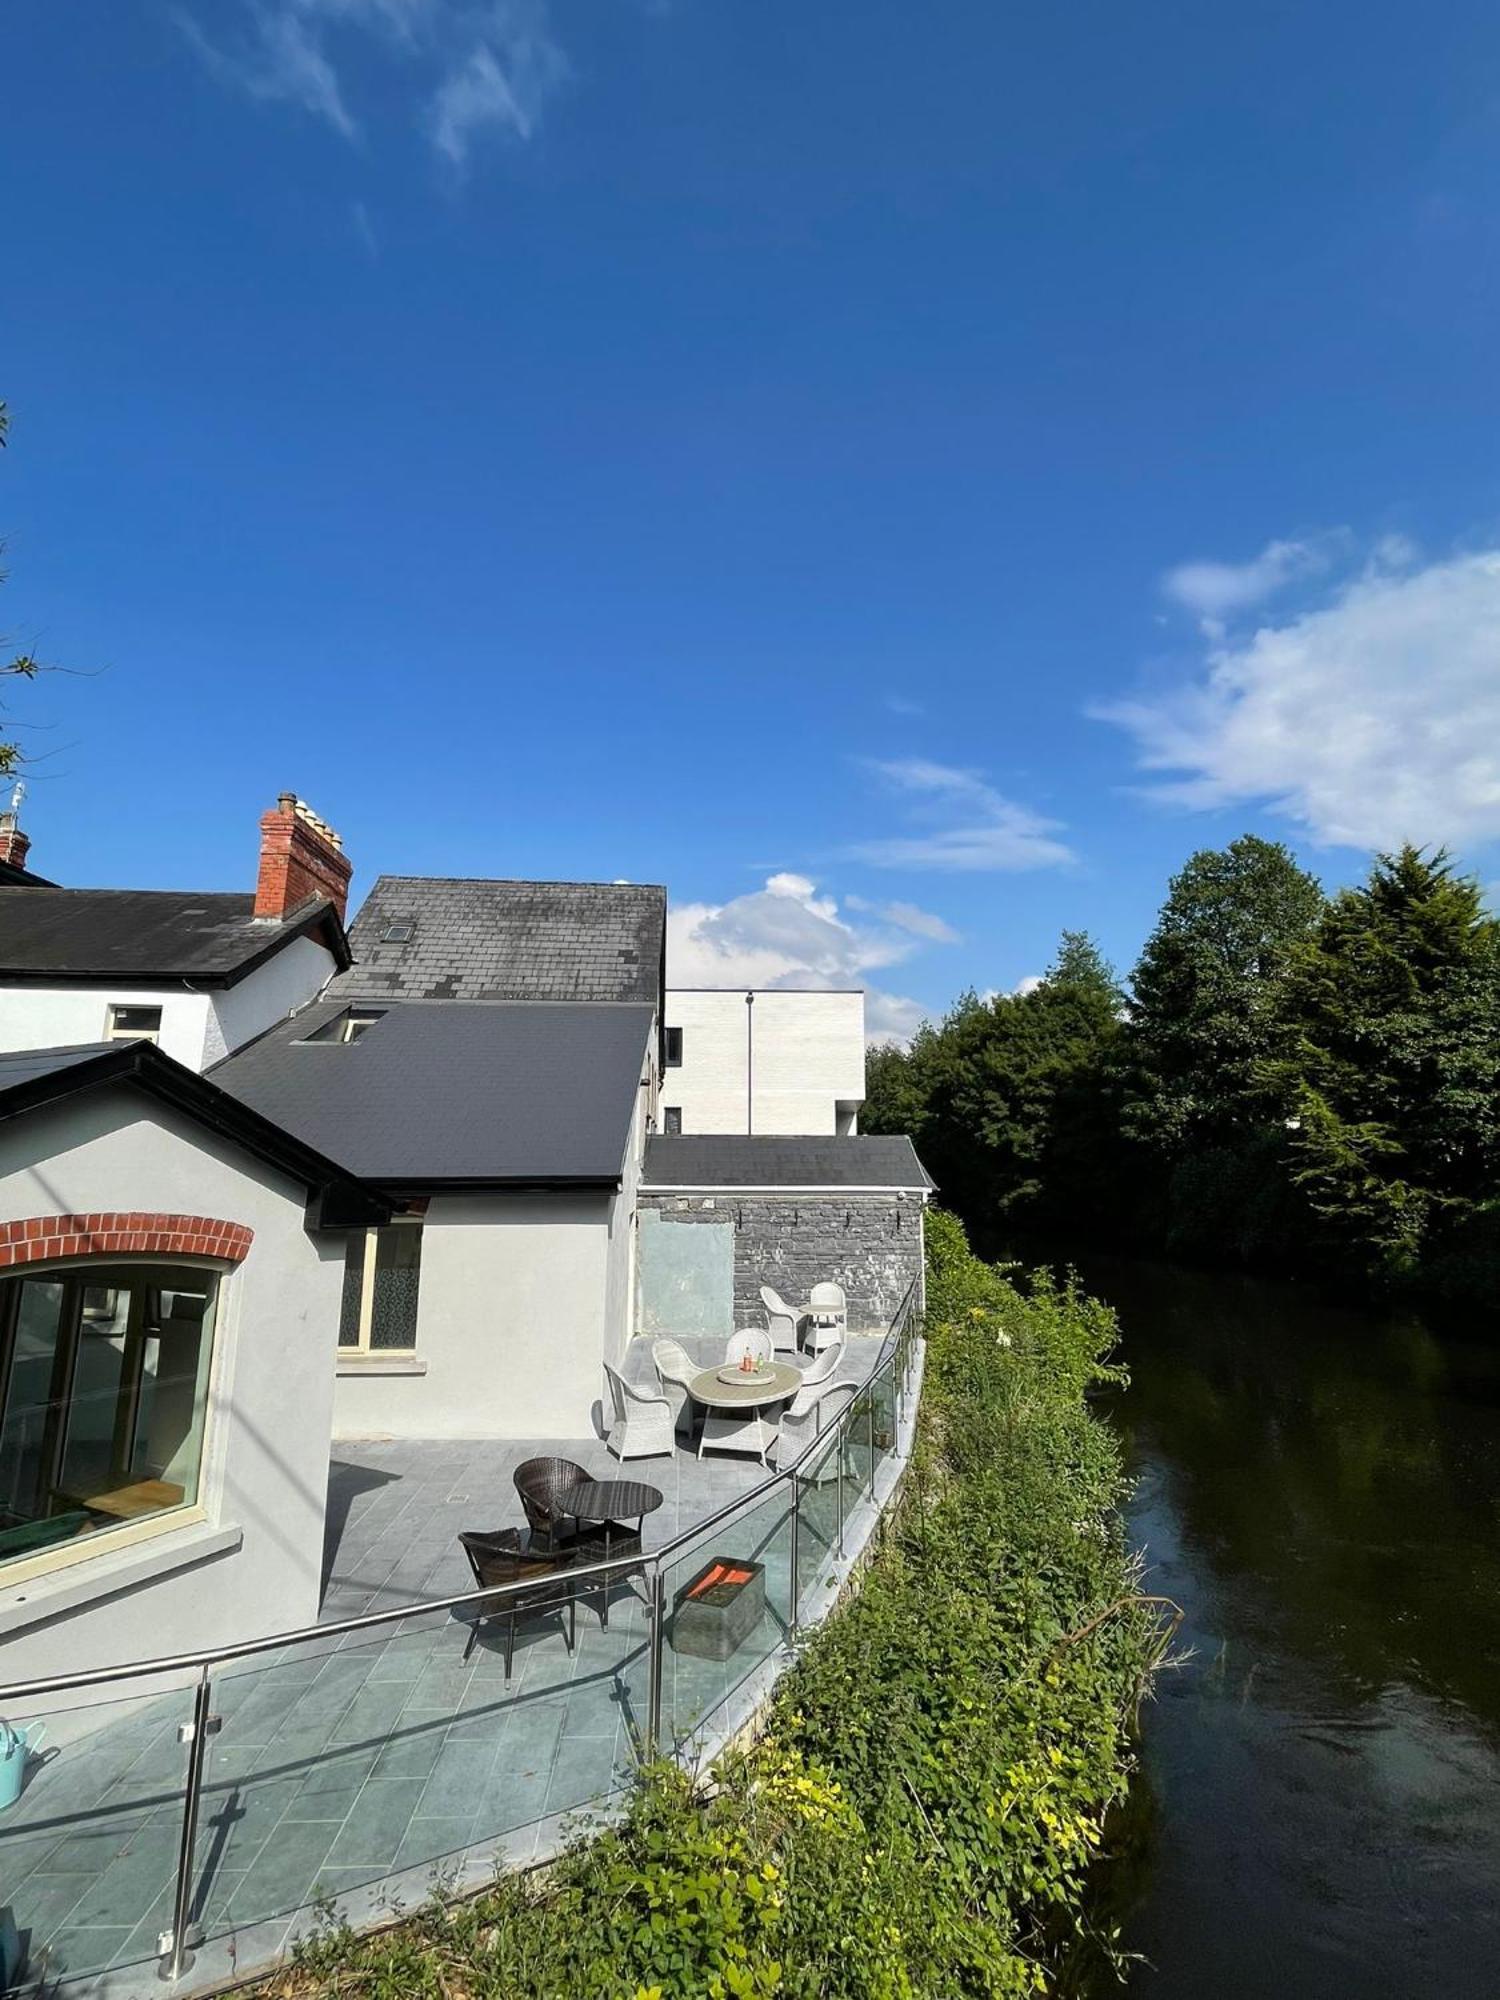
(14, 845)
(300, 856)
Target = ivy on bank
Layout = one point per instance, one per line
(920, 1816)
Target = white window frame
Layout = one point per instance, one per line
(113, 1032)
(347, 1349)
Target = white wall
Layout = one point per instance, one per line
(293, 976)
(58, 1017)
(809, 1060)
(265, 1460)
(511, 1324)
(196, 1028)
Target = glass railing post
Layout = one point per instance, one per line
(795, 1554)
(176, 1944)
(657, 1618)
(839, 1445)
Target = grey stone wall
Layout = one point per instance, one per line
(871, 1244)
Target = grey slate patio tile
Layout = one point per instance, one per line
(371, 1836)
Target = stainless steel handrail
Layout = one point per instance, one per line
(495, 1594)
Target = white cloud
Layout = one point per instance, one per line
(908, 917)
(1029, 984)
(971, 826)
(1213, 590)
(1370, 719)
(504, 83)
(477, 64)
(787, 935)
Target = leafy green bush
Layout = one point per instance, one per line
(920, 1816)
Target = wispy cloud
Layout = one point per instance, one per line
(472, 65)
(908, 917)
(1214, 591)
(902, 704)
(504, 83)
(364, 228)
(1369, 718)
(788, 934)
(970, 826)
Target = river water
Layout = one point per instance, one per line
(1319, 1488)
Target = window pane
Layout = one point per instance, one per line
(105, 1401)
(28, 1393)
(398, 1261)
(354, 1284)
(127, 1022)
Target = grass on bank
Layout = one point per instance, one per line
(921, 1814)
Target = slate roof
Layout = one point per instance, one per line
(691, 1160)
(475, 1093)
(23, 877)
(147, 934)
(481, 940)
(30, 1079)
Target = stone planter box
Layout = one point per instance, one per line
(717, 1610)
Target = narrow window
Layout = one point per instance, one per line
(671, 1118)
(672, 1047)
(348, 1026)
(133, 1024)
(382, 1271)
(103, 1399)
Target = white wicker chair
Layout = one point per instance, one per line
(827, 1317)
(807, 1416)
(641, 1426)
(751, 1340)
(823, 1369)
(674, 1372)
(784, 1321)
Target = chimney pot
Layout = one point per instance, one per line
(300, 857)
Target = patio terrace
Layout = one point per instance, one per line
(358, 1769)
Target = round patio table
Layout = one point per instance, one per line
(612, 1502)
(736, 1419)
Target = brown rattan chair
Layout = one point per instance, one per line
(508, 1557)
(539, 1482)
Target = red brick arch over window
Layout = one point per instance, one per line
(116, 1232)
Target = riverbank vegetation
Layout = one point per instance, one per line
(920, 1817)
(1292, 1082)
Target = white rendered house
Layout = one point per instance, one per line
(170, 1268)
(198, 973)
(763, 1060)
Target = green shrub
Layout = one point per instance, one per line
(919, 1820)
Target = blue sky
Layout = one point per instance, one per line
(947, 462)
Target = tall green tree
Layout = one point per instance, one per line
(1393, 1085)
(1208, 1003)
(1002, 1097)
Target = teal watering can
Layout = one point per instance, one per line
(16, 1745)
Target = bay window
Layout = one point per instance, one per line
(103, 1393)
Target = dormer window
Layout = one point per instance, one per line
(133, 1024)
(348, 1026)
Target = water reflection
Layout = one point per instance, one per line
(1321, 1489)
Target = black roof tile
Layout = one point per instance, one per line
(147, 934)
(766, 1160)
(471, 1092)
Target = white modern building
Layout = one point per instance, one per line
(763, 1060)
